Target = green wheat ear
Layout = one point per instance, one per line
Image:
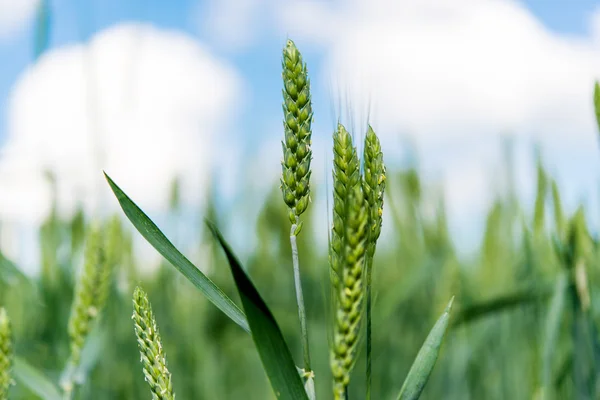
(90, 293)
(6, 354)
(298, 115)
(151, 351)
(348, 248)
(373, 185)
(346, 177)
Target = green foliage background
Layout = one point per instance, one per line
(496, 347)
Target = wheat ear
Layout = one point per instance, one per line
(373, 185)
(151, 351)
(348, 242)
(90, 297)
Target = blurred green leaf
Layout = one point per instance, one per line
(274, 352)
(423, 365)
(487, 308)
(597, 102)
(42, 28)
(35, 380)
(159, 241)
(553, 320)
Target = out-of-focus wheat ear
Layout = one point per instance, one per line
(151, 350)
(373, 185)
(6, 354)
(297, 122)
(91, 292)
(88, 299)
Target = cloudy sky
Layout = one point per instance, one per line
(148, 90)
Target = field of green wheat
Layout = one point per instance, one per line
(516, 320)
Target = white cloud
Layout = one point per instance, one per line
(14, 14)
(454, 74)
(232, 24)
(142, 103)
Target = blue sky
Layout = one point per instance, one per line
(545, 45)
(76, 21)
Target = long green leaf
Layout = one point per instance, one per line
(268, 339)
(502, 303)
(35, 380)
(552, 329)
(423, 365)
(159, 241)
(597, 102)
(42, 28)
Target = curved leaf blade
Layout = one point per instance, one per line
(35, 380)
(521, 298)
(425, 361)
(159, 241)
(268, 339)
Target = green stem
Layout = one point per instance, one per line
(300, 298)
(368, 316)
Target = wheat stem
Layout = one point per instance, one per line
(300, 299)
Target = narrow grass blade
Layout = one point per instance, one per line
(159, 241)
(552, 329)
(597, 102)
(423, 365)
(491, 307)
(268, 339)
(42, 28)
(35, 380)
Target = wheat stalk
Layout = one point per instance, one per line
(151, 351)
(373, 185)
(348, 248)
(295, 166)
(6, 354)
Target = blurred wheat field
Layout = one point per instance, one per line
(524, 324)
(497, 346)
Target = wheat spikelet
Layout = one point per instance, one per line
(151, 351)
(298, 115)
